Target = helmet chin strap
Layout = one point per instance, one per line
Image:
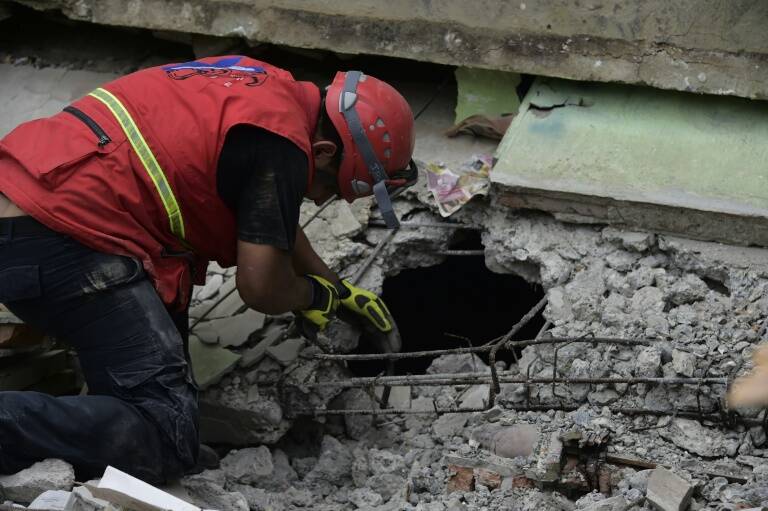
(347, 101)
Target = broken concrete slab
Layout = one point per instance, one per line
(27, 485)
(581, 152)
(549, 459)
(41, 92)
(210, 363)
(232, 331)
(710, 47)
(668, 491)
(254, 354)
(287, 351)
(53, 500)
(485, 92)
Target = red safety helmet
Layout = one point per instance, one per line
(375, 124)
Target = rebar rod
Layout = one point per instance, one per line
(479, 349)
(372, 256)
(461, 253)
(425, 225)
(433, 380)
(523, 321)
(687, 414)
(319, 210)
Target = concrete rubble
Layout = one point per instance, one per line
(599, 282)
(699, 307)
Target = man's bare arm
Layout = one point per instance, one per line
(306, 260)
(267, 281)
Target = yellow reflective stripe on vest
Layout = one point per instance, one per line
(147, 159)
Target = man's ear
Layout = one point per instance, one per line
(323, 151)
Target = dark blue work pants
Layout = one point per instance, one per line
(140, 414)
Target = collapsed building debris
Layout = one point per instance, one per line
(614, 402)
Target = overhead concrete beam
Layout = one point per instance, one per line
(637, 158)
(705, 46)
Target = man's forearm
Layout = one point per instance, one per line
(306, 260)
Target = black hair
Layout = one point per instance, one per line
(328, 131)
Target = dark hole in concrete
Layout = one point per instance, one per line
(461, 297)
(716, 286)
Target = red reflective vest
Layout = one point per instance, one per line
(103, 196)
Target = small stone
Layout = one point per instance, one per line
(365, 498)
(248, 466)
(27, 485)
(461, 479)
(648, 363)
(386, 485)
(385, 462)
(683, 362)
(648, 299)
(621, 260)
(668, 491)
(334, 464)
(689, 289)
(449, 425)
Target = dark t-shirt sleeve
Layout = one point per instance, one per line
(262, 177)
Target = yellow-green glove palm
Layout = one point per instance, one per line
(367, 305)
(325, 301)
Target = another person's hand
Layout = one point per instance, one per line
(752, 388)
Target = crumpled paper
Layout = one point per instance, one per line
(454, 188)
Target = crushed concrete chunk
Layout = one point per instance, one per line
(207, 493)
(248, 466)
(617, 503)
(27, 485)
(549, 459)
(683, 362)
(693, 437)
(334, 464)
(668, 491)
(449, 425)
(365, 498)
